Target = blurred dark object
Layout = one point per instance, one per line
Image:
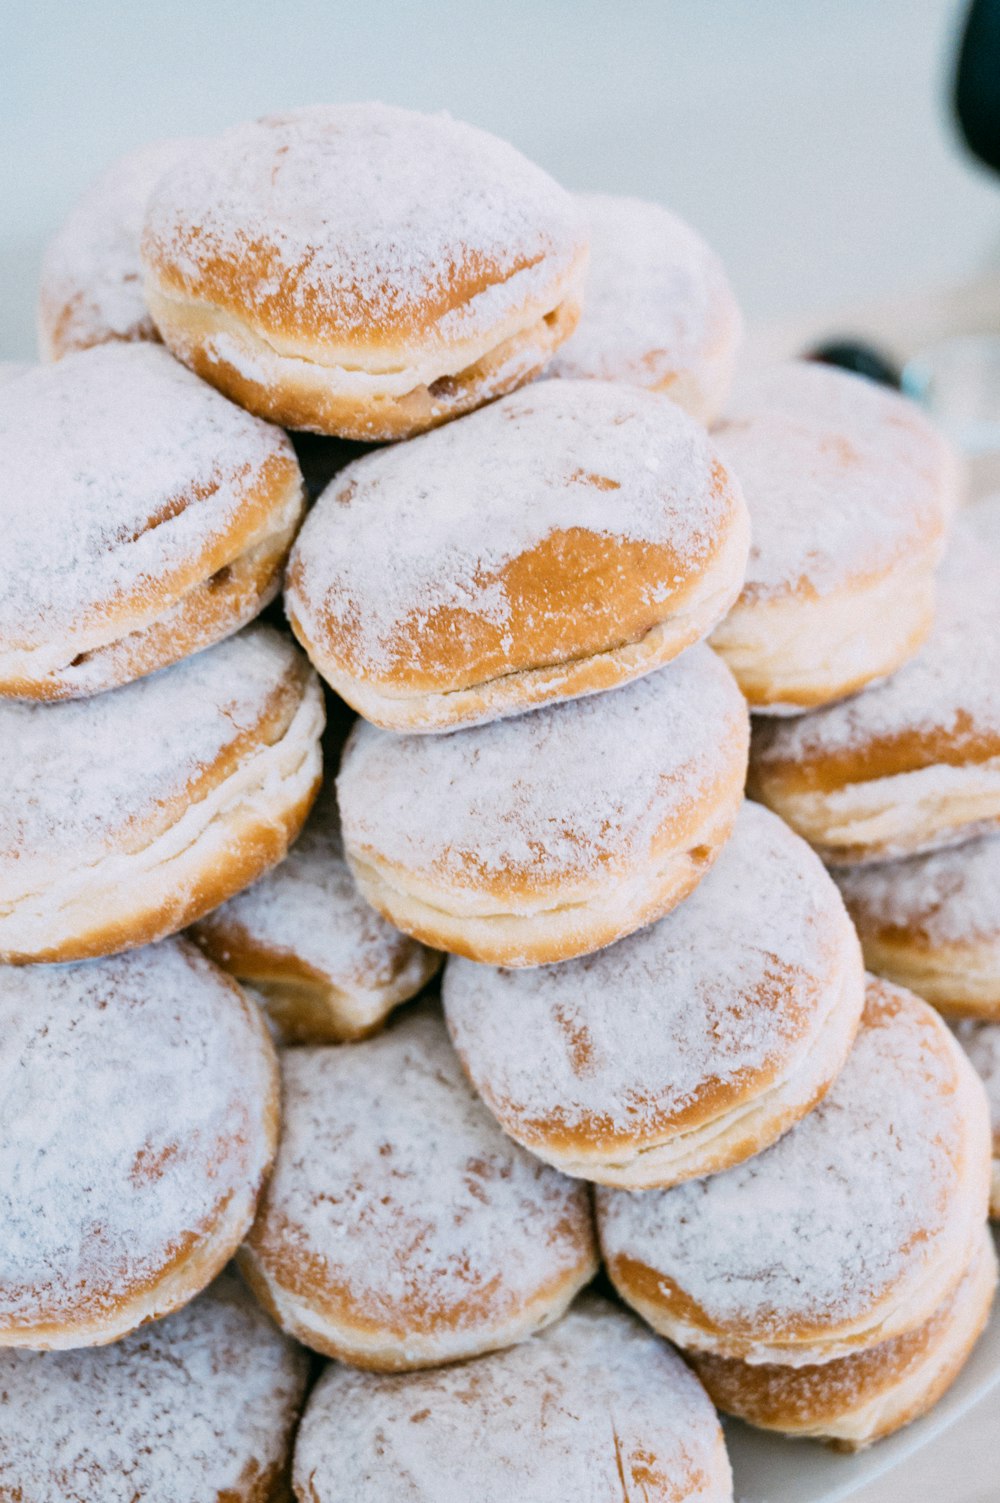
(977, 82)
(858, 356)
(322, 458)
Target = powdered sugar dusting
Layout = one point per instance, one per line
(842, 477)
(582, 787)
(852, 1200)
(947, 897)
(190, 1407)
(951, 687)
(366, 217)
(394, 1179)
(132, 1098)
(593, 1408)
(309, 907)
(80, 778)
(422, 527)
(981, 1042)
(656, 297)
(91, 285)
(734, 982)
(120, 467)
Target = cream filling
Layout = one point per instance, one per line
(36, 663)
(708, 1148)
(66, 902)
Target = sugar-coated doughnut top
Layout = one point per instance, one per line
(657, 303)
(579, 790)
(121, 470)
(83, 780)
(185, 1408)
(596, 1407)
(950, 692)
(661, 1027)
(91, 283)
(854, 1200)
(946, 897)
(309, 907)
(132, 1107)
(843, 478)
(425, 530)
(366, 224)
(394, 1184)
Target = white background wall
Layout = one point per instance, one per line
(807, 138)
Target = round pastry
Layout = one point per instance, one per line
(91, 283)
(11, 369)
(400, 1228)
(138, 1119)
(595, 1408)
(932, 923)
(849, 489)
(537, 839)
(690, 1045)
(568, 539)
(658, 310)
(914, 763)
(362, 270)
(849, 1231)
(127, 816)
(329, 966)
(856, 1400)
(981, 1042)
(203, 1405)
(149, 517)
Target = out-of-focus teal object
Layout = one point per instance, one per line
(977, 82)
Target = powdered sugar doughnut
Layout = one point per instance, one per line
(329, 966)
(138, 1118)
(91, 283)
(11, 369)
(594, 1408)
(202, 1405)
(850, 1231)
(528, 841)
(856, 1400)
(849, 489)
(159, 519)
(658, 310)
(400, 1228)
(688, 1046)
(127, 816)
(362, 270)
(933, 923)
(567, 539)
(981, 1042)
(914, 763)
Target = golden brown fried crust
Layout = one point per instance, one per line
(961, 744)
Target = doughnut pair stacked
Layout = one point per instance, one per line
(652, 985)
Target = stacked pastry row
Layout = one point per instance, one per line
(654, 986)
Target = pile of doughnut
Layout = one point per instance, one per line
(395, 969)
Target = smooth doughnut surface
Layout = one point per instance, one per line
(687, 1047)
(567, 539)
(90, 291)
(911, 764)
(202, 1405)
(658, 310)
(981, 1042)
(859, 1399)
(850, 1231)
(362, 270)
(533, 840)
(932, 923)
(149, 517)
(127, 816)
(400, 1228)
(138, 1119)
(330, 968)
(594, 1408)
(849, 489)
